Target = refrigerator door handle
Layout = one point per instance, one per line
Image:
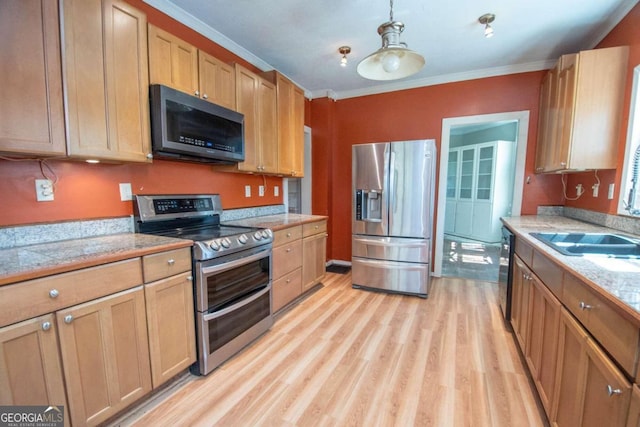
(392, 182)
(406, 243)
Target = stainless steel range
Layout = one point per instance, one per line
(231, 269)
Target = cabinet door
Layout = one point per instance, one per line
(542, 350)
(290, 127)
(313, 259)
(217, 81)
(172, 61)
(107, 80)
(606, 391)
(570, 373)
(172, 332)
(545, 120)
(633, 420)
(246, 103)
(30, 370)
(566, 100)
(520, 302)
(267, 126)
(105, 354)
(31, 115)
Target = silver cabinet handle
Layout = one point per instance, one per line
(46, 326)
(288, 280)
(585, 306)
(171, 261)
(611, 391)
(196, 93)
(68, 319)
(149, 156)
(53, 293)
(288, 249)
(288, 234)
(317, 226)
(205, 96)
(190, 278)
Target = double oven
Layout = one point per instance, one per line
(232, 270)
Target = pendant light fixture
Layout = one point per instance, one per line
(344, 51)
(393, 60)
(486, 20)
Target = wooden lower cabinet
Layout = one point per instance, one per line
(171, 326)
(590, 389)
(30, 368)
(633, 419)
(543, 339)
(521, 292)
(105, 354)
(314, 249)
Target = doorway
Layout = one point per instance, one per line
(466, 223)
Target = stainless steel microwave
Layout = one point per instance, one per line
(187, 128)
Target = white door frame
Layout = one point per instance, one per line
(521, 153)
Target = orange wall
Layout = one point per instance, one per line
(415, 114)
(627, 32)
(91, 191)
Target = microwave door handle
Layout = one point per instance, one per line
(211, 316)
(233, 264)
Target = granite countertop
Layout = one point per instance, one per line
(276, 222)
(617, 279)
(33, 261)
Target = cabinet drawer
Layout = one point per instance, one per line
(613, 331)
(287, 258)
(524, 251)
(290, 234)
(165, 264)
(548, 272)
(39, 296)
(314, 228)
(286, 289)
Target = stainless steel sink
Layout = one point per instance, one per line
(578, 244)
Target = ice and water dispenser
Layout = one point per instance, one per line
(369, 205)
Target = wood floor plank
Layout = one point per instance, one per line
(346, 356)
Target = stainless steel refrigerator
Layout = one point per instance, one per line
(392, 216)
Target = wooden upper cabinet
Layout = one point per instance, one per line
(580, 110)
(172, 61)
(31, 111)
(107, 80)
(217, 81)
(290, 101)
(256, 100)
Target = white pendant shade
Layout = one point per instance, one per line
(390, 63)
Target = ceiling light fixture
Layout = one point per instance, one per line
(344, 50)
(393, 60)
(485, 20)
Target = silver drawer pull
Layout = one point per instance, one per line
(171, 261)
(317, 226)
(53, 293)
(46, 326)
(288, 234)
(288, 280)
(190, 278)
(611, 391)
(585, 306)
(68, 319)
(288, 249)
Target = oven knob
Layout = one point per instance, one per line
(269, 232)
(265, 235)
(226, 242)
(257, 235)
(242, 239)
(215, 246)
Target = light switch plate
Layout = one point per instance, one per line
(276, 191)
(125, 192)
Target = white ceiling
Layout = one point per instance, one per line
(301, 38)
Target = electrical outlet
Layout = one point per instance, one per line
(247, 191)
(44, 190)
(611, 190)
(595, 189)
(276, 191)
(125, 192)
(579, 190)
(261, 190)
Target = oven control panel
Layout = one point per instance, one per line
(213, 248)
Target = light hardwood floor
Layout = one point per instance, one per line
(353, 357)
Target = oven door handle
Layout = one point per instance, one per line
(233, 264)
(211, 316)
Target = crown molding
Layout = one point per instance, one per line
(436, 80)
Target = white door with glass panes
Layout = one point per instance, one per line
(479, 188)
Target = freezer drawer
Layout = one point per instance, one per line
(392, 248)
(390, 276)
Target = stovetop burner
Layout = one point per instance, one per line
(197, 218)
